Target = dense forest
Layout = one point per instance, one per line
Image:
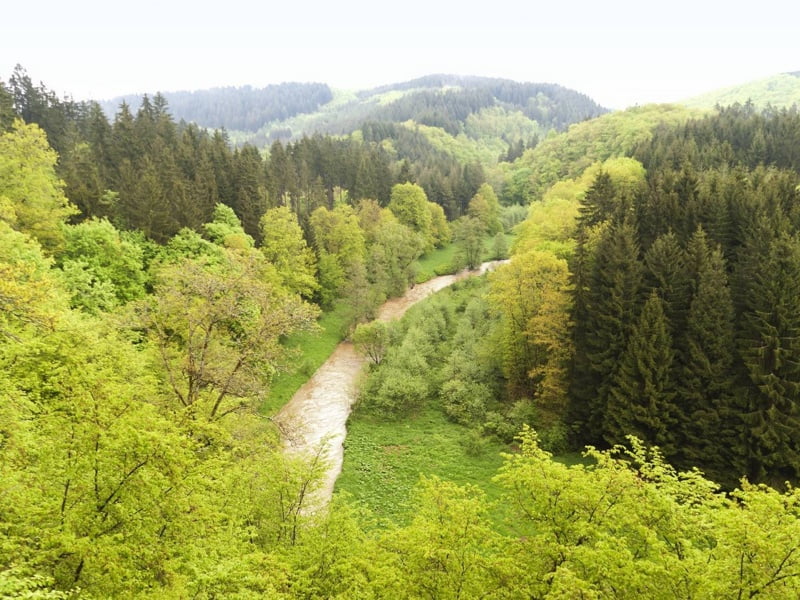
(244, 108)
(679, 325)
(152, 275)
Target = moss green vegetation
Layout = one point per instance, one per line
(384, 459)
(779, 91)
(437, 262)
(567, 155)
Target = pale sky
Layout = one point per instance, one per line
(619, 52)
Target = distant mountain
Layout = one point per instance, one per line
(779, 91)
(454, 104)
(236, 108)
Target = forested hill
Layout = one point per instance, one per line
(778, 91)
(291, 110)
(240, 108)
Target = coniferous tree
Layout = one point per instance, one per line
(667, 274)
(770, 349)
(599, 202)
(712, 436)
(642, 394)
(612, 303)
(250, 198)
(7, 113)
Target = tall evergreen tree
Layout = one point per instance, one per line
(612, 303)
(770, 349)
(642, 393)
(712, 436)
(667, 274)
(250, 199)
(599, 202)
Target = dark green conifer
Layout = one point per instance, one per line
(641, 397)
(598, 203)
(769, 343)
(612, 303)
(712, 437)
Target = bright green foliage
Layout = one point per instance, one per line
(339, 243)
(777, 91)
(284, 246)
(567, 155)
(485, 207)
(391, 255)
(631, 527)
(499, 247)
(226, 229)
(332, 279)
(447, 551)
(642, 395)
(468, 234)
(410, 205)
(31, 195)
(189, 244)
(440, 230)
(89, 469)
(372, 340)
(29, 294)
(552, 223)
(531, 294)
(102, 268)
(337, 233)
(218, 330)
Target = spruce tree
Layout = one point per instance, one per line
(712, 438)
(612, 303)
(599, 201)
(770, 349)
(667, 273)
(641, 397)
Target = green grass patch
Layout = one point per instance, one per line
(383, 460)
(444, 261)
(313, 348)
(437, 262)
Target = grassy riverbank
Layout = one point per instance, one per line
(314, 348)
(385, 458)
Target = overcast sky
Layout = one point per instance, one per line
(618, 52)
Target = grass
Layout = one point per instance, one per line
(437, 262)
(443, 261)
(383, 460)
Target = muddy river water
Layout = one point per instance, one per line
(316, 415)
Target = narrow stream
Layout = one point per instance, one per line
(318, 411)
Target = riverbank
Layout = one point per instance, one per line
(317, 414)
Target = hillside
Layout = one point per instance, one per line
(568, 154)
(290, 110)
(238, 108)
(780, 91)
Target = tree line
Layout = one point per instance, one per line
(237, 108)
(681, 320)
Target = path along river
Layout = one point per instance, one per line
(316, 416)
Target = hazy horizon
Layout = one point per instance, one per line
(613, 52)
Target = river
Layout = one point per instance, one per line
(317, 413)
